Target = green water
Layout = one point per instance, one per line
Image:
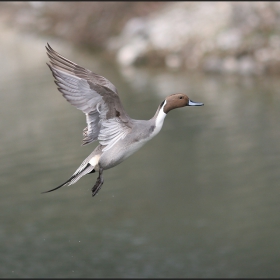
(199, 200)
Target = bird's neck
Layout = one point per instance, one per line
(159, 118)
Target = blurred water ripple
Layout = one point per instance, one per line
(200, 200)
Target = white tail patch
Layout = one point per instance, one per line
(94, 162)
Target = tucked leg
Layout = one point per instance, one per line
(98, 184)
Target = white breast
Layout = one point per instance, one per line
(132, 148)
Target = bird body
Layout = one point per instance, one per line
(119, 135)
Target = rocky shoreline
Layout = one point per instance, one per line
(214, 37)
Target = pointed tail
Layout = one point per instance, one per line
(80, 172)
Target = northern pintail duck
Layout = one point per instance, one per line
(119, 135)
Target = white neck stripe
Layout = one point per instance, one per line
(161, 115)
(159, 120)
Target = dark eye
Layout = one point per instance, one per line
(181, 97)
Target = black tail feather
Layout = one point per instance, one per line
(76, 176)
(60, 185)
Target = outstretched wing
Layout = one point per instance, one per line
(93, 94)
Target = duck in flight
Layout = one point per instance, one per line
(119, 136)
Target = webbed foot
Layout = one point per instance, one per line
(98, 184)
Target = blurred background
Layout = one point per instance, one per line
(199, 200)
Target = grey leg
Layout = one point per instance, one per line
(98, 184)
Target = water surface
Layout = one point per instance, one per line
(199, 200)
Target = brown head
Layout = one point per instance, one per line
(178, 100)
